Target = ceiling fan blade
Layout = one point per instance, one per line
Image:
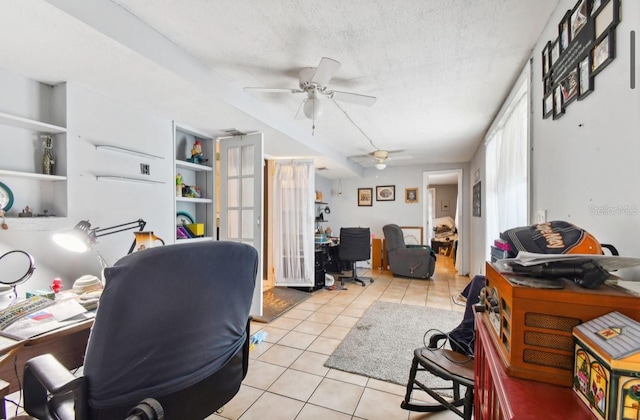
(273, 90)
(325, 71)
(354, 98)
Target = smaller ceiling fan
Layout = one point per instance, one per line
(313, 81)
(380, 157)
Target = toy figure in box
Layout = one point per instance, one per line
(196, 153)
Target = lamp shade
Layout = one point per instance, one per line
(79, 239)
(380, 166)
(313, 108)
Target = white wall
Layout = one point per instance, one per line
(345, 211)
(585, 164)
(93, 119)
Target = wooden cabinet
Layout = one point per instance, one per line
(30, 110)
(532, 327)
(499, 396)
(195, 196)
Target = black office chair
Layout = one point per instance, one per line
(172, 325)
(355, 245)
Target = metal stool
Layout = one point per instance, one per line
(448, 365)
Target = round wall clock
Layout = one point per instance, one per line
(6, 197)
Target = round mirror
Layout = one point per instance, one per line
(16, 267)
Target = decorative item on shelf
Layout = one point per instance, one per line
(47, 157)
(318, 195)
(196, 154)
(146, 239)
(196, 229)
(179, 185)
(5, 226)
(26, 212)
(327, 232)
(16, 267)
(6, 197)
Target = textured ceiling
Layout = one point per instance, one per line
(439, 69)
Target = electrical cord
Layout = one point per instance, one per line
(468, 351)
(355, 125)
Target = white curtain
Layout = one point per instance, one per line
(507, 166)
(293, 206)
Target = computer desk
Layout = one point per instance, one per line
(66, 343)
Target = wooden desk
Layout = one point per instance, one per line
(67, 344)
(499, 396)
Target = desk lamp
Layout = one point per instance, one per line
(82, 237)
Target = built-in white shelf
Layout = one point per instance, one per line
(21, 122)
(127, 179)
(194, 200)
(193, 166)
(127, 151)
(32, 175)
(190, 240)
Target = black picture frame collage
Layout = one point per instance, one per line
(585, 45)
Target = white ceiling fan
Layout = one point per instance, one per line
(313, 81)
(380, 157)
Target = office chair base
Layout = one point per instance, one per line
(355, 279)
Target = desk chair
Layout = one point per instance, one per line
(355, 245)
(455, 368)
(172, 325)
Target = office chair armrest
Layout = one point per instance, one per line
(419, 247)
(46, 378)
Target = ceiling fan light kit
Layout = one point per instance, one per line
(380, 166)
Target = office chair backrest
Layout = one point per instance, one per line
(393, 237)
(355, 244)
(168, 318)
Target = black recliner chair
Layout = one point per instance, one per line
(172, 325)
(355, 245)
(417, 261)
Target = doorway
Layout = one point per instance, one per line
(443, 211)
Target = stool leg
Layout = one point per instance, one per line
(468, 403)
(412, 377)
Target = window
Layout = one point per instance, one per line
(507, 164)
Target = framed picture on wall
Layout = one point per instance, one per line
(603, 53)
(558, 109)
(546, 54)
(412, 235)
(578, 18)
(547, 105)
(569, 87)
(555, 52)
(411, 195)
(386, 193)
(586, 81)
(477, 199)
(365, 197)
(607, 17)
(564, 31)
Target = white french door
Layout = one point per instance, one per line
(241, 197)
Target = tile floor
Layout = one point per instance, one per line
(287, 378)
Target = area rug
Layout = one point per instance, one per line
(279, 300)
(382, 342)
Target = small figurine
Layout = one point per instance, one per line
(26, 212)
(196, 154)
(178, 185)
